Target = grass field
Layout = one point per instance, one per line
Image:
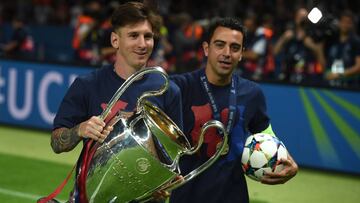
(29, 169)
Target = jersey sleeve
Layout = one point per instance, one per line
(185, 83)
(181, 83)
(260, 120)
(174, 105)
(72, 109)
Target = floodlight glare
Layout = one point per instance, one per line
(315, 15)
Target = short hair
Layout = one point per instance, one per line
(228, 22)
(349, 14)
(135, 12)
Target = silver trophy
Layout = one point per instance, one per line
(141, 155)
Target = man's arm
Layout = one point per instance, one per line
(65, 139)
(10, 46)
(352, 71)
(280, 43)
(289, 171)
(317, 49)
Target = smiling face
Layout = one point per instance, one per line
(224, 53)
(134, 44)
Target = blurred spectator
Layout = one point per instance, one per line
(301, 57)
(75, 11)
(162, 51)
(297, 51)
(188, 39)
(61, 13)
(87, 35)
(258, 62)
(1, 11)
(42, 11)
(343, 54)
(106, 50)
(21, 44)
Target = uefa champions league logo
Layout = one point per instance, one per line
(142, 165)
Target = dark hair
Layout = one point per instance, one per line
(349, 14)
(134, 12)
(228, 22)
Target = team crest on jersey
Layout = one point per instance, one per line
(117, 110)
(203, 114)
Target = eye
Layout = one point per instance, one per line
(149, 36)
(133, 35)
(219, 44)
(235, 48)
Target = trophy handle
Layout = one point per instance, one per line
(129, 81)
(209, 162)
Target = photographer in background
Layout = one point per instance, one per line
(89, 34)
(343, 54)
(258, 61)
(301, 57)
(21, 44)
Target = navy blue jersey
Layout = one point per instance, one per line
(89, 95)
(224, 181)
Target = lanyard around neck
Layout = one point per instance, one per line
(214, 106)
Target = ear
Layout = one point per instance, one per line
(114, 38)
(242, 51)
(205, 46)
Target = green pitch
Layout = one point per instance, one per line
(29, 169)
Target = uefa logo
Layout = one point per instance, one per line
(142, 165)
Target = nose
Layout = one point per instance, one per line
(226, 51)
(142, 42)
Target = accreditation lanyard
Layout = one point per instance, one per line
(215, 108)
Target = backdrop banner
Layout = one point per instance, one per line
(30, 93)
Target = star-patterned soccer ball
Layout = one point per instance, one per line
(262, 153)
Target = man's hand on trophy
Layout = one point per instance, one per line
(162, 194)
(95, 129)
(178, 179)
(109, 127)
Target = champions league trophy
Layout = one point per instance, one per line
(141, 155)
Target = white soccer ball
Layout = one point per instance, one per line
(262, 153)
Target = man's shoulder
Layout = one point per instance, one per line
(187, 79)
(154, 81)
(100, 73)
(246, 86)
(246, 83)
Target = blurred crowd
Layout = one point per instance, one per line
(281, 43)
